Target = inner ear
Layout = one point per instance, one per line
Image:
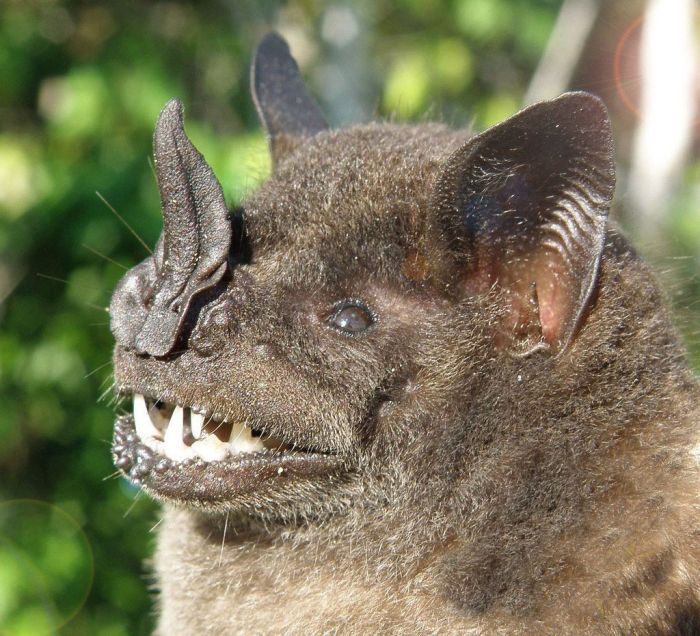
(523, 207)
(286, 110)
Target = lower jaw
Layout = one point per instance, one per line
(251, 480)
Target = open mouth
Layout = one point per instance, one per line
(177, 453)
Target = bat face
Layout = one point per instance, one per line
(319, 317)
(286, 371)
(290, 362)
(407, 332)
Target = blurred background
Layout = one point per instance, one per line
(81, 85)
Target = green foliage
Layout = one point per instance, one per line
(82, 85)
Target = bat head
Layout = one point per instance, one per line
(328, 342)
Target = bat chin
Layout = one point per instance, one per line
(191, 458)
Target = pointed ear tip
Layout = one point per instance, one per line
(273, 45)
(272, 37)
(170, 124)
(172, 110)
(586, 101)
(173, 105)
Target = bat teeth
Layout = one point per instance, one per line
(196, 424)
(175, 447)
(180, 434)
(145, 428)
(210, 449)
(242, 440)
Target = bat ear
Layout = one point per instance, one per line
(523, 208)
(286, 110)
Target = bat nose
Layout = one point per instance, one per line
(149, 310)
(130, 302)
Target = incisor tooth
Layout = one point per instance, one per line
(242, 440)
(210, 449)
(175, 447)
(196, 423)
(142, 420)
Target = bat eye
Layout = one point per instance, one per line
(351, 317)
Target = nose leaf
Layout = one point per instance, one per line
(192, 252)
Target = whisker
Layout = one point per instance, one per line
(98, 307)
(109, 377)
(157, 523)
(117, 402)
(114, 475)
(55, 278)
(137, 496)
(153, 168)
(106, 392)
(123, 220)
(223, 542)
(102, 366)
(65, 281)
(107, 258)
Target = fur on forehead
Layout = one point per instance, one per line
(365, 188)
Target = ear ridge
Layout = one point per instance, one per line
(286, 109)
(525, 203)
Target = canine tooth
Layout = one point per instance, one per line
(196, 423)
(175, 447)
(144, 426)
(242, 440)
(210, 449)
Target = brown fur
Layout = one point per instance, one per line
(487, 492)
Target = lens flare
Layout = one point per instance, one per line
(46, 567)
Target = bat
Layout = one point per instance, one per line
(416, 383)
